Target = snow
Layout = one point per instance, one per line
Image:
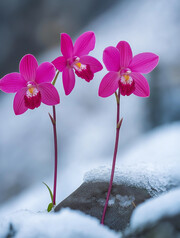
(37, 197)
(153, 162)
(66, 224)
(154, 209)
(125, 201)
(150, 178)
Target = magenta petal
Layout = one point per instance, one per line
(11, 83)
(45, 73)
(68, 77)
(141, 85)
(94, 64)
(111, 59)
(66, 45)
(60, 63)
(28, 66)
(144, 63)
(84, 44)
(125, 53)
(109, 84)
(49, 94)
(19, 103)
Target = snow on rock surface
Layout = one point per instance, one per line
(152, 163)
(142, 177)
(66, 224)
(151, 211)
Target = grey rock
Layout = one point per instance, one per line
(90, 199)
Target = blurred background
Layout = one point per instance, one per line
(86, 123)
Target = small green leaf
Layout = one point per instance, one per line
(50, 192)
(50, 206)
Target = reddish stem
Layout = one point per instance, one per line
(55, 154)
(118, 126)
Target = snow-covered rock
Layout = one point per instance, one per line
(166, 205)
(66, 224)
(167, 227)
(90, 198)
(157, 217)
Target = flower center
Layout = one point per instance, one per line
(79, 67)
(82, 70)
(126, 79)
(32, 98)
(32, 91)
(126, 82)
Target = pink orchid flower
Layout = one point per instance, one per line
(126, 71)
(75, 58)
(32, 85)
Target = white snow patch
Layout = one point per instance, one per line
(154, 209)
(111, 201)
(160, 146)
(125, 201)
(66, 224)
(145, 176)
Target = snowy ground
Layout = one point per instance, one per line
(66, 224)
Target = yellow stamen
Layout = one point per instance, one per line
(78, 65)
(31, 90)
(126, 77)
